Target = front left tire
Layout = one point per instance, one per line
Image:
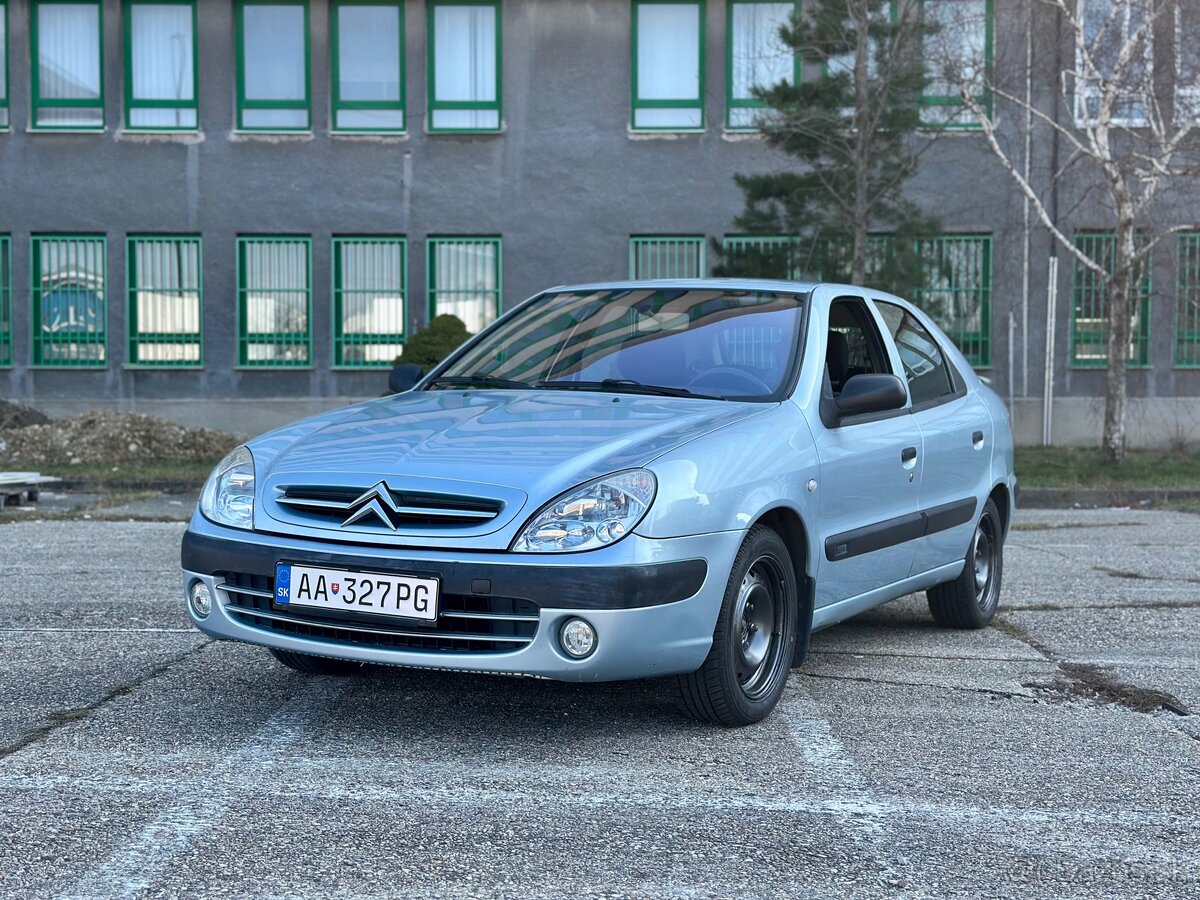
(970, 601)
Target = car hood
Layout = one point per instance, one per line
(514, 450)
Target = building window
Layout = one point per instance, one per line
(464, 279)
(957, 291)
(69, 300)
(666, 257)
(3, 66)
(67, 52)
(368, 65)
(756, 57)
(668, 65)
(1109, 30)
(370, 287)
(160, 65)
(272, 76)
(959, 52)
(1187, 300)
(464, 65)
(1089, 312)
(1187, 63)
(5, 301)
(274, 301)
(165, 301)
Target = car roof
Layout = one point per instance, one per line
(728, 284)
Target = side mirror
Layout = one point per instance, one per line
(871, 394)
(404, 376)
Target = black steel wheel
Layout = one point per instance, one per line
(971, 599)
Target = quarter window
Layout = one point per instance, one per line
(273, 77)
(757, 57)
(370, 287)
(464, 65)
(274, 302)
(69, 291)
(368, 66)
(165, 301)
(668, 65)
(67, 59)
(924, 364)
(666, 257)
(464, 279)
(5, 300)
(853, 346)
(160, 65)
(1089, 307)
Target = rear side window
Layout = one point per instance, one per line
(924, 365)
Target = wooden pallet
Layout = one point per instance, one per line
(21, 488)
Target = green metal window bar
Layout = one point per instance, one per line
(6, 329)
(662, 256)
(160, 65)
(69, 297)
(367, 46)
(1089, 309)
(957, 291)
(274, 34)
(660, 99)
(274, 302)
(370, 291)
(165, 311)
(1187, 300)
(66, 39)
(964, 39)
(465, 66)
(752, 50)
(463, 279)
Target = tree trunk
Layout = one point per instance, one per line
(862, 138)
(1122, 296)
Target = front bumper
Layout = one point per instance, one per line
(653, 603)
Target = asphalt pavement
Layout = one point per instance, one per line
(1056, 754)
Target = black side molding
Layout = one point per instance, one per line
(899, 530)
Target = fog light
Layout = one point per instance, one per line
(200, 598)
(578, 638)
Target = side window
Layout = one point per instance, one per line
(854, 346)
(924, 365)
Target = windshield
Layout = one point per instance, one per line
(705, 343)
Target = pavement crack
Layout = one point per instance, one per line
(1150, 604)
(1046, 526)
(862, 679)
(60, 718)
(1139, 576)
(1084, 681)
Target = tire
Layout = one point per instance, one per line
(747, 667)
(971, 599)
(318, 665)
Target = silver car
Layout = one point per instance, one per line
(623, 480)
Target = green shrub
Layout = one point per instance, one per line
(435, 342)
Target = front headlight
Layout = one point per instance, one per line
(228, 495)
(592, 515)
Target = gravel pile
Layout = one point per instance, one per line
(109, 437)
(16, 415)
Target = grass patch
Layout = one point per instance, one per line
(1076, 467)
(100, 474)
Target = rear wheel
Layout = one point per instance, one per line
(318, 665)
(971, 600)
(746, 670)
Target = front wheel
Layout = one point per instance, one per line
(746, 670)
(971, 599)
(318, 665)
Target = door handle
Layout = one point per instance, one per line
(977, 439)
(908, 454)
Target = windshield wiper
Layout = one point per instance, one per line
(481, 381)
(625, 386)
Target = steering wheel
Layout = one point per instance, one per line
(757, 385)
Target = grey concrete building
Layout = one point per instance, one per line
(235, 211)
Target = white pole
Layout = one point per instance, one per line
(1051, 318)
(1028, 235)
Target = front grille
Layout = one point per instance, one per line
(465, 623)
(380, 507)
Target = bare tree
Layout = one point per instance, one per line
(1121, 136)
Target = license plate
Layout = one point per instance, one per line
(404, 596)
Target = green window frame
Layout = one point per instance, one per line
(648, 111)
(4, 123)
(165, 301)
(58, 103)
(667, 256)
(464, 278)
(944, 110)
(958, 291)
(274, 277)
(1187, 300)
(150, 106)
(370, 301)
(1089, 312)
(740, 111)
(68, 292)
(371, 115)
(455, 114)
(258, 112)
(6, 329)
